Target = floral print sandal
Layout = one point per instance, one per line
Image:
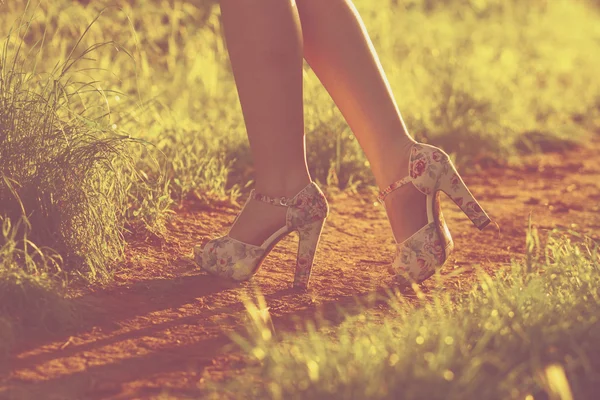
(431, 172)
(306, 213)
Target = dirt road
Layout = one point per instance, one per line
(163, 324)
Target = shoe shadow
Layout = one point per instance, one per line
(104, 309)
(99, 381)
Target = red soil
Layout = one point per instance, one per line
(163, 325)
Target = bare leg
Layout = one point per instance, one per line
(264, 41)
(339, 50)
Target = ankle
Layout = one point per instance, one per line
(392, 164)
(288, 184)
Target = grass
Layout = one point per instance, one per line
(59, 161)
(63, 175)
(486, 78)
(528, 332)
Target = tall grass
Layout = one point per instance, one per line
(60, 161)
(485, 78)
(530, 330)
(493, 76)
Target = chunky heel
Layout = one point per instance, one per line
(452, 184)
(308, 242)
(230, 258)
(431, 171)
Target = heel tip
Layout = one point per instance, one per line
(484, 225)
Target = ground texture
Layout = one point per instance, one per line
(163, 326)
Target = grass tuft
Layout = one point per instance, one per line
(60, 163)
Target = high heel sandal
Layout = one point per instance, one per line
(306, 213)
(431, 172)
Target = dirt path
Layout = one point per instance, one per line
(163, 324)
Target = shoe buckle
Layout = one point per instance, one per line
(283, 201)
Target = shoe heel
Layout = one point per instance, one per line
(308, 242)
(452, 184)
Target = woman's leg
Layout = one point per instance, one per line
(339, 50)
(264, 40)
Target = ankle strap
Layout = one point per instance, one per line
(274, 201)
(396, 185)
